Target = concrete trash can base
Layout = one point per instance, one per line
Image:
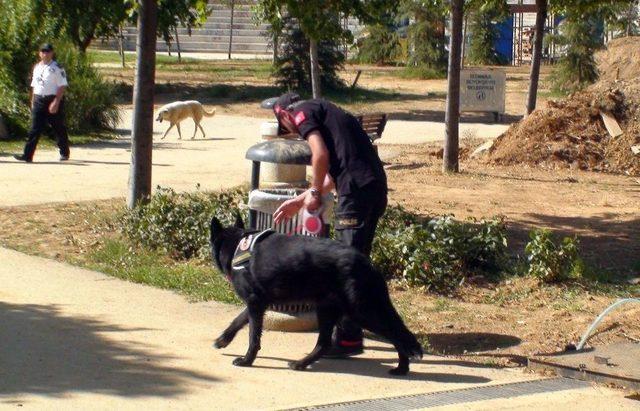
(295, 317)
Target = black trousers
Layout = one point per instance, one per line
(357, 216)
(40, 116)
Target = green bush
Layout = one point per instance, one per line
(292, 67)
(483, 26)
(437, 254)
(178, 224)
(552, 262)
(89, 99)
(381, 46)
(577, 68)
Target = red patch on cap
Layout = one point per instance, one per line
(299, 118)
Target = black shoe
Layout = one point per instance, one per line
(22, 158)
(64, 158)
(344, 349)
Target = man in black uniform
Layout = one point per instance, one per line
(48, 83)
(343, 157)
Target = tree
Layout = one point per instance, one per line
(320, 20)
(627, 21)
(142, 129)
(484, 17)
(452, 115)
(581, 35)
(426, 33)
(292, 66)
(380, 46)
(175, 13)
(536, 58)
(82, 21)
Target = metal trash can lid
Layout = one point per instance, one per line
(268, 103)
(280, 152)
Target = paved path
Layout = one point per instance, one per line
(76, 339)
(103, 343)
(102, 171)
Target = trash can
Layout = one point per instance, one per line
(266, 201)
(263, 202)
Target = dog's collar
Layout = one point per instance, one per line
(244, 250)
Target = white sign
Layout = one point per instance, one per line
(482, 90)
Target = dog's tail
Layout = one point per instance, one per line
(410, 343)
(405, 339)
(207, 114)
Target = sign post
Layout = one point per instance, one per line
(483, 90)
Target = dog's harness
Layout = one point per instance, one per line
(244, 250)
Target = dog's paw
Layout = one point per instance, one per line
(242, 362)
(221, 342)
(399, 371)
(297, 365)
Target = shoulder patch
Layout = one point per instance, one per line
(299, 118)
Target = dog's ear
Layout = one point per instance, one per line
(216, 228)
(239, 220)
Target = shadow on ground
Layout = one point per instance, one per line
(439, 116)
(43, 352)
(462, 343)
(609, 242)
(373, 367)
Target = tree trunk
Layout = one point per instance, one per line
(178, 45)
(142, 128)
(275, 47)
(315, 69)
(121, 45)
(464, 39)
(452, 116)
(536, 58)
(231, 30)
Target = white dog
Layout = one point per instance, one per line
(175, 112)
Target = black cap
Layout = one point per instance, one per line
(46, 47)
(285, 101)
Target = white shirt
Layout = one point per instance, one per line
(47, 78)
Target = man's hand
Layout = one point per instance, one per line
(53, 107)
(311, 202)
(287, 210)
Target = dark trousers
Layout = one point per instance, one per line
(40, 116)
(357, 217)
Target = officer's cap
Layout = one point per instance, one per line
(46, 47)
(286, 102)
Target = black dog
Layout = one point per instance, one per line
(283, 269)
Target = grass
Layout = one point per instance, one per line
(200, 283)
(421, 73)
(228, 70)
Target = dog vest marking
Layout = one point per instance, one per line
(244, 250)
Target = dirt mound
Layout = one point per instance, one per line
(620, 60)
(571, 132)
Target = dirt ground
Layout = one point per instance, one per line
(504, 321)
(408, 99)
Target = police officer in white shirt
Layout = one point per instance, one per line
(47, 104)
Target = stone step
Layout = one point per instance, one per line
(227, 25)
(222, 32)
(253, 48)
(223, 39)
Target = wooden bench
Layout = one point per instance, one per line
(373, 124)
